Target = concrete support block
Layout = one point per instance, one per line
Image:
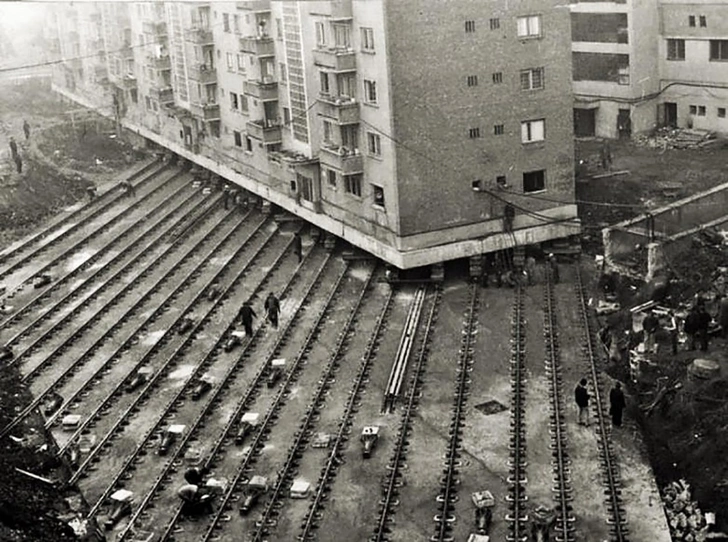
(476, 265)
(655, 260)
(265, 207)
(330, 241)
(315, 233)
(437, 272)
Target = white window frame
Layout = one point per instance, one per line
(529, 26)
(370, 92)
(374, 144)
(367, 39)
(320, 34)
(530, 74)
(230, 63)
(377, 188)
(533, 131)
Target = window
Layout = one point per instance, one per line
(498, 78)
(279, 29)
(320, 34)
(501, 181)
(474, 133)
(248, 144)
(378, 193)
(472, 80)
(367, 39)
(469, 26)
(243, 103)
(237, 136)
(718, 49)
(495, 23)
(331, 177)
(352, 185)
(236, 23)
(229, 57)
(703, 21)
(325, 87)
(284, 72)
(328, 131)
(498, 129)
(675, 49)
(286, 116)
(721, 112)
(532, 130)
(350, 137)
(701, 110)
(374, 144)
(529, 27)
(342, 36)
(691, 20)
(234, 101)
(476, 185)
(532, 79)
(306, 186)
(370, 91)
(534, 181)
(693, 109)
(147, 102)
(226, 22)
(134, 95)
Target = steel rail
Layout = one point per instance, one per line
(449, 482)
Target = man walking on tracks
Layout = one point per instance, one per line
(272, 309)
(581, 396)
(26, 130)
(616, 404)
(18, 163)
(554, 268)
(246, 316)
(13, 148)
(298, 246)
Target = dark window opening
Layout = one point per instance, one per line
(472, 80)
(248, 144)
(469, 26)
(718, 49)
(477, 185)
(238, 139)
(599, 27)
(703, 21)
(675, 49)
(378, 195)
(474, 133)
(495, 23)
(498, 129)
(613, 68)
(691, 20)
(500, 181)
(721, 112)
(498, 77)
(534, 181)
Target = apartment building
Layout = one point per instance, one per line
(418, 131)
(643, 64)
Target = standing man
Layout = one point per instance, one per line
(704, 320)
(581, 396)
(554, 268)
(650, 325)
(26, 129)
(272, 309)
(616, 404)
(18, 163)
(246, 316)
(723, 315)
(13, 147)
(298, 246)
(531, 270)
(226, 196)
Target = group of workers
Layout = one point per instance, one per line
(247, 314)
(507, 274)
(15, 154)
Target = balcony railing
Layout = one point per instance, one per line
(199, 36)
(254, 5)
(335, 59)
(347, 161)
(266, 92)
(258, 46)
(269, 132)
(342, 110)
(203, 74)
(127, 82)
(156, 28)
(205, 111)
(159, 62)
(163, 95)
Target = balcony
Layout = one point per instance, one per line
(127, 82)
(341, 110)
(266, 92)
(269, 132)
(259, 6)
(163, 95)
(155, 28)
(258, 46)
(199, 36)
(203, 74)
(205, 111)
(159, 62)
(341, 159)
(337, 60)
(126, 52)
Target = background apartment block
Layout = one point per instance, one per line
(409, 128)
(642, 64)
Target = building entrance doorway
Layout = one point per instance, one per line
(584, 122)
(624, 124)
(670, 111)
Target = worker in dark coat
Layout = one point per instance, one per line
(272, 309)
(616, 404)
(26, 130)
(554, 268)
(246, 316)
(650, 325)
(13, 147)
(691, 327)
(704, 320)
(581, 397)
(18, 163)
(298, 246)
(723, 315)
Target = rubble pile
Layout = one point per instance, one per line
(706, 263)
(686, 520)
(679, 138)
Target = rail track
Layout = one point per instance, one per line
(79, 226)
(560, 461)
(304, 434)
(91, 346)
(395, 476)
(83, 214)
(617, 521)
(449, 481)
(170, 359)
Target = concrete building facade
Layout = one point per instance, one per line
(643, 64)
(417, 131)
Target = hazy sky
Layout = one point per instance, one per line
(16, 17)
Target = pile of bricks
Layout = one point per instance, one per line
(676, 138)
